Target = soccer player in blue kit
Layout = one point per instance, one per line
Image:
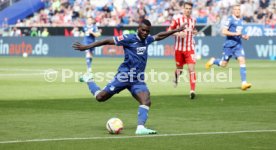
(131, 72)
(232, 29)
(91, 31)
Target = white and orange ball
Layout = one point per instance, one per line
(114, 125)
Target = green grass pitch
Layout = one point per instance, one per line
(221, 117)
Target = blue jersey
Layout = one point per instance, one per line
(135, 51)
(89, 38)
(233, 24)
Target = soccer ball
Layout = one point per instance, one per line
(25, 55)
(114, 125)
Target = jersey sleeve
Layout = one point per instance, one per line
(227, 23)
(121, 40)
(150, 39)
(173, 24)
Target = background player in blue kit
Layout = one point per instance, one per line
(233, 45)
(130, 73)
(91, 31)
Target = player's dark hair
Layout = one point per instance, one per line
(188, 3)
(181, 3)
(146, 22)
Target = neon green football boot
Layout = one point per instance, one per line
(86, 77)
(145, 131)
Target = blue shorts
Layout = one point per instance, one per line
(117, 85)
(90, 49)
(236, 51)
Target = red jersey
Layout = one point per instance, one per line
(187, 43)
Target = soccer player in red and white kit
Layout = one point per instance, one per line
(185, 46)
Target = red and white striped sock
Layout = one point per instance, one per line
(192, 80)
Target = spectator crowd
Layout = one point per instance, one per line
(159, 12)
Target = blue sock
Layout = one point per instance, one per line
(93, 87)
(217, 62)
(142, 114)
(88, 63)
(243, 73)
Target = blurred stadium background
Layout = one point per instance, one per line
(65, 18)
(44, 30)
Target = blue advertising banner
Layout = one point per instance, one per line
(255, 47)
(259, 30)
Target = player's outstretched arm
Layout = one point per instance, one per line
(80, 47)
(162, 35)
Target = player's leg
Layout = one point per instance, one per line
(241, 60)
(144, 104)
(89, 58)
(240, 56)
(227, 54)
(114, 87)
(100, 95)
(141, 93)
(191, 61)
(178, 71)
(192, 74)
(179, 66)
(219, 62)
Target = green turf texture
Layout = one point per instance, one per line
(31, 108)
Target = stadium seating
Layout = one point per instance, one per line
(20, 10)
(160, 12)
(41, 13)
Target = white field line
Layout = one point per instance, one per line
(21, 74)
(24, 72)
(136, 136)
(18, 69)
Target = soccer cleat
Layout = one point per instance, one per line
(192, 95)
(209, 64)
(145, 131)
(86, 77)
(246, 86)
